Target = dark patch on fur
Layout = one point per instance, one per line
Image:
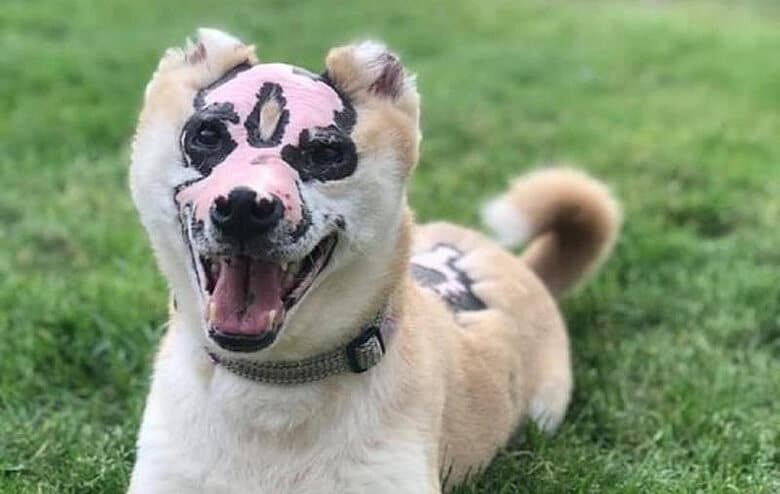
(268, 91)
(213, 118)
(197, 55)
(465, 299)
(426, 276)
(390, 81)
(347, 117)
(327, 153)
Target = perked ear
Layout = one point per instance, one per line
(369, 70)
(206, 59)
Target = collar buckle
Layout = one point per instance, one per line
(366, 350)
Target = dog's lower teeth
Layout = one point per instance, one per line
(271, 317)
(211, 311)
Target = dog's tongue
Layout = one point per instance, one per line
(246, 296)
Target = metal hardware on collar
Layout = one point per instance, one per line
(360, 355)
(366, 350)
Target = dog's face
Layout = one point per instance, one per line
(260, 182)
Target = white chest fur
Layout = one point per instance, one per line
(207, 431)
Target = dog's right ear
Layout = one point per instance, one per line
(368, 70)
(201, 62)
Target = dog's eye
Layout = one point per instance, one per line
(326, 154)
(208, 136)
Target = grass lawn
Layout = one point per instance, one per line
(676, 104)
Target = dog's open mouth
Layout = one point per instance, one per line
(248, 299)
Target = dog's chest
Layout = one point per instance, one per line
(274, 470)
(233, 466)
(193, 443)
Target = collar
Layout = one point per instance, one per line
(358, 356)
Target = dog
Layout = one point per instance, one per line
(319, 340)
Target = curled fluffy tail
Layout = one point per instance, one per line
(570, 219)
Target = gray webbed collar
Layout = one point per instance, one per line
(359, 355)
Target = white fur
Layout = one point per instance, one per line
(506, 222)
(227, 435)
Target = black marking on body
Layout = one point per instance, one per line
(436, 270)
(427, 276)
(212, 119)
(322, 153)
(269, 93)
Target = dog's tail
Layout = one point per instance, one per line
(570, 220)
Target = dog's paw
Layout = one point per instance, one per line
(548, 406)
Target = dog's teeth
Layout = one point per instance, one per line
(284, 266)
(212, 310)
(271, 317)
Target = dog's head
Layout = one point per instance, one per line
(265, 188)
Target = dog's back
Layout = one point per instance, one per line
(502, 314)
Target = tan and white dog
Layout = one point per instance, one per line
(319, 340)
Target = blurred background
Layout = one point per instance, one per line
(674, 103)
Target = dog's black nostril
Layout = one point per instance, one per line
(264, 208)
(242, 216)
(222, 209)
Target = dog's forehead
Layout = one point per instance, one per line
(306, 95)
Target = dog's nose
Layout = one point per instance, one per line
(241, 215)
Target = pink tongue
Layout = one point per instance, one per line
(246, 293)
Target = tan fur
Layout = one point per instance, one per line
(453, 386)
(573, 220)
(357, 76)
(183, 71)
(493, 363)
(384, 127)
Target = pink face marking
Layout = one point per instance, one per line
(252, 131)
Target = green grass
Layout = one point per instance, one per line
(676, 344)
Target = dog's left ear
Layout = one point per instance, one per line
(367, 70)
